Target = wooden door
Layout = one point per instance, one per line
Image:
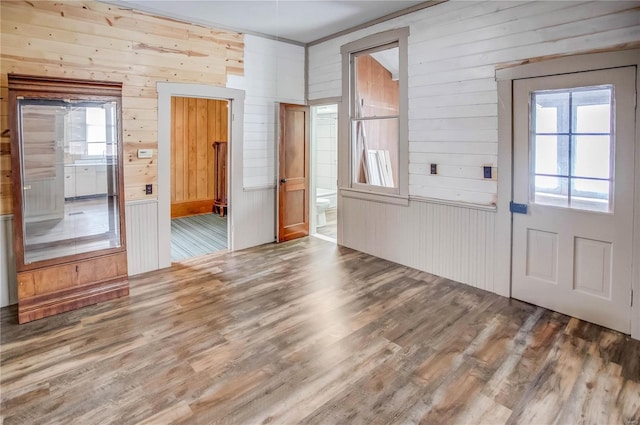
(293, 170)
(573, 165)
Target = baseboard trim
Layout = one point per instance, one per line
(184, 209)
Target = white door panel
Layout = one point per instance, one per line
(569, 159)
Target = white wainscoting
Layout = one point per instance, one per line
(455, 242)
(142, 236)
(255, 217)
(8, 284)
(142, 246)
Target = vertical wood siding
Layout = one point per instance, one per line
(91, 40)
(195, 125)
(8, 285)
(445, 240)
(257, 216)
(142, 236)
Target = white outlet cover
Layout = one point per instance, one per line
(145, 153)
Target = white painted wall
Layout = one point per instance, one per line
(273, 72)
(454, 49)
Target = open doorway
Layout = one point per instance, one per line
(324, 171)
(199, 154)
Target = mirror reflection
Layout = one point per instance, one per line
(69, 174)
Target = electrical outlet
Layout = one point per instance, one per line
(148, 189)
(487, 172)
(434, 168)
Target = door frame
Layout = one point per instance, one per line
(313, 165)
(542, 68)
(234, 166)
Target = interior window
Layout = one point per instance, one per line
(375, 121)
(375, 115)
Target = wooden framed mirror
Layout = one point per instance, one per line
(69, 226)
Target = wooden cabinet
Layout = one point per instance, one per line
(76, 256)
(50, 290)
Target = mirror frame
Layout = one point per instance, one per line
(37, 87)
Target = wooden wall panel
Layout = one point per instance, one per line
(91, 40)
(196, 123)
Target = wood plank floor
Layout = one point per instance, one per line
(197, 235)
(309, 332)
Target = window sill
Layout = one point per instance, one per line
(383, 198)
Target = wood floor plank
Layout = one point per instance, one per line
(310, 332)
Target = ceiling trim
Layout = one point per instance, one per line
(384, 18)
(158, 13)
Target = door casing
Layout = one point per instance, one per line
(236, 133)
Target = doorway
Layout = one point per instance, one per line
(324, 172)
(199, 140)
(573, 191)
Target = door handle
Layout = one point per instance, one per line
(282, 181)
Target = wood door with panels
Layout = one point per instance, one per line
(573, 194)
(293, 173)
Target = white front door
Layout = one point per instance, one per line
(573, 173)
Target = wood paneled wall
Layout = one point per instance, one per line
(195, 125)
(91, 40)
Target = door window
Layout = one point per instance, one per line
(572, 148)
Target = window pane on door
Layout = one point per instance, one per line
(591, 156)
(587, 194)
(551, 114)
(552, 191)
(593, 111)
(571, 146)
(552, 155)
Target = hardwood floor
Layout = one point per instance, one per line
(197, 235)
(309, 332)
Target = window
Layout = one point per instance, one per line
(376, 70)
(91, 126)
(572, 148)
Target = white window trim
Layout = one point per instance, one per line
(346, 183)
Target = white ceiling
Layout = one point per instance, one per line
(302, 21)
